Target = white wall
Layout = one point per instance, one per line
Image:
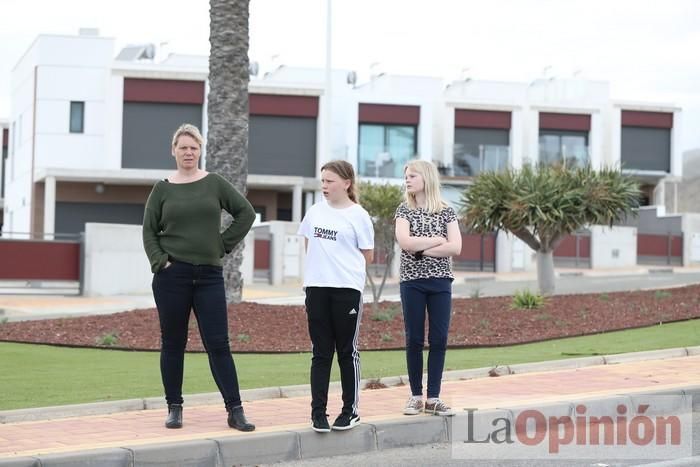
(57, 87)
(115, 262)
(19, 161)
(287, 250)
(691, 239)
(676, 146)
(613, 248)
(57, 69)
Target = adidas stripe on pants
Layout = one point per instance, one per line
(334, 316)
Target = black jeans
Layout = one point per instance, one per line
(177, 289)
(334, 316)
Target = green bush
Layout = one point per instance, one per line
(661, 294)
(387, 314)
(108, 339)
(526, 300)
(243, 338)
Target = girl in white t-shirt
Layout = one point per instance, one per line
(339, 243)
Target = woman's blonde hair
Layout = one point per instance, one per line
(431, 186)
(344, 170)
(187, 129)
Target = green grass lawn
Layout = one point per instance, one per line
(39, 375)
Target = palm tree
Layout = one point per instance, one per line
(542, 205)
(227, 111)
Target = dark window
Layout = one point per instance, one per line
(480, 149)
(384, 150)
(77, 116)
(646, 148)
(260, 210)
(564, 147)
(647, 195)
(282, 146)
(284, 214)
(147, 132)
(71, 217)
(2, 173)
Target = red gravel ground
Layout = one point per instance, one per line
(475, 322)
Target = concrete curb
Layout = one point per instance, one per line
(284, 446)
(103, 408)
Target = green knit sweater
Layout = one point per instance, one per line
(183, 221)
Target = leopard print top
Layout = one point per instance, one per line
(425, 224)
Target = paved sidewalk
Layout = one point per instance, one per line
(141, 433)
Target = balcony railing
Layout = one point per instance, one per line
(576, 156)
(471, 160)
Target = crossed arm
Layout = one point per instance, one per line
(430, 246)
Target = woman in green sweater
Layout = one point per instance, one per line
(184, 243)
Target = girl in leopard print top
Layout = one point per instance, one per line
(429, 235)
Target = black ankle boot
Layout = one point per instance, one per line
(174, 419)
(237, 420)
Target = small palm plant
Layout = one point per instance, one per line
(381, 202)
(542, 205)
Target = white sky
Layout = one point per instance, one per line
(646, 49)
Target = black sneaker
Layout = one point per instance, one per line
(346, 421)
(319, 423)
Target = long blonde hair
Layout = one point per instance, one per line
(344, 170)
(431, 186)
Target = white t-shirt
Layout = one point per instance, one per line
(335, 238)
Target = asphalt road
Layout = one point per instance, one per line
(577, 284)
(438, 455)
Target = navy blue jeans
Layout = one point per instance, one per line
(177, 289)
(417, 296)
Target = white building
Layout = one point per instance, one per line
(4, 147)
(90, 133)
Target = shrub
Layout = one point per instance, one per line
(243, 338)
(108, 339)
(387, 337)
(524, 299)
(386, 315)
(661, 294)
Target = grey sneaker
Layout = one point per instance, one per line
(438, 407)
(414, 405)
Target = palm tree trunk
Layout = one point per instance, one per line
(227, 112)
(545, 271)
